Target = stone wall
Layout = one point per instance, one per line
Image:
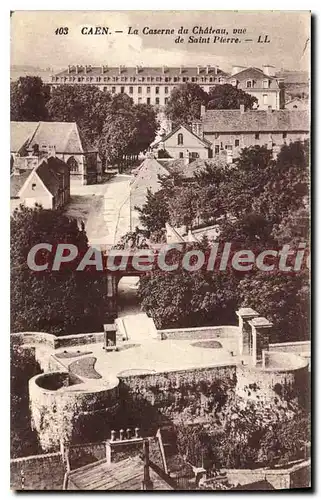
(297, 475)
(204, 332)
(39, 472)
(183, 393)
(287, 381)
(58, 413)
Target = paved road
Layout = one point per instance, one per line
(109, 209)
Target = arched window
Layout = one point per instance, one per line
(73, 165)
(180, 140)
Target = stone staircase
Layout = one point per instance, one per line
(136, 328)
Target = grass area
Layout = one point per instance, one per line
(81, 206)
(85, 368)
(66, 354)
(208, 344)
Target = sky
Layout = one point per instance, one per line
(34, 42)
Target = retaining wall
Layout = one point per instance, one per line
(204, 332)
(39, 472)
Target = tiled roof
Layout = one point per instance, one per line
(125, 475)
(232, 120)
(203, 141)
(294, 77)
(20, 133)
(143, 71)
(48, 176)
(179, 167)
(63, 135)
(250, 73)
(17, 181)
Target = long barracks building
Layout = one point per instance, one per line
(153, 85)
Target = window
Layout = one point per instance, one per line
(33, 186)
(139, 90)
(113, 90)
(181, 155)
(157, 90)
(265, 84)
(166, 90)
(217, 150)
(233, 82)
(194, 155)
(139, 100)
(237, 143)
(265, 98)
(148, 100)
(122, 89)
(284, 135)
(157, 100)
(216, 135)
(249, 84)
(131, 90)
(175, 79)
(180, 139)
(166, 100)
(148, 90)
(105, 89)
(257, 135)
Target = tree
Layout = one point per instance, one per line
(28, 99)
(184, 104)
(84, 104)
(128, 129)
(229, 97)
(182, 298)
(154, 213)
(283, 298)
(118, 135)
(52, 301)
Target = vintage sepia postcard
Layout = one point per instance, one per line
(160, 250)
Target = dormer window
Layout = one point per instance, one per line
(249, 84)
(180, 140)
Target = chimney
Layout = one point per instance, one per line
(208, 67)
(198, 69)
(181, 68)
(77, 69)
(164, 68)
(203, 110)
(137, 70)
(215, 70)
(85, 69)
(69, 69)
(147, 484)
(119, 70)
(236, 69)
(242, 109)
(268, 70)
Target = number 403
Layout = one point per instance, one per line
(61, 31)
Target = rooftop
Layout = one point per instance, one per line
(233, 120)
(141, 71)
(125, 475)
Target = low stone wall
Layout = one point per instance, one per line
(294, 347)
(80, 339)
(205, 332)
(296, 476)
(38, 338)
(83, 454)
(39, 472)
(55, 407)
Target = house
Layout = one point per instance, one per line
(31, 141)
(231, 130)
(47, 184)
(260, 83)
(185, 142)
(149, 85)
(297, 103)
